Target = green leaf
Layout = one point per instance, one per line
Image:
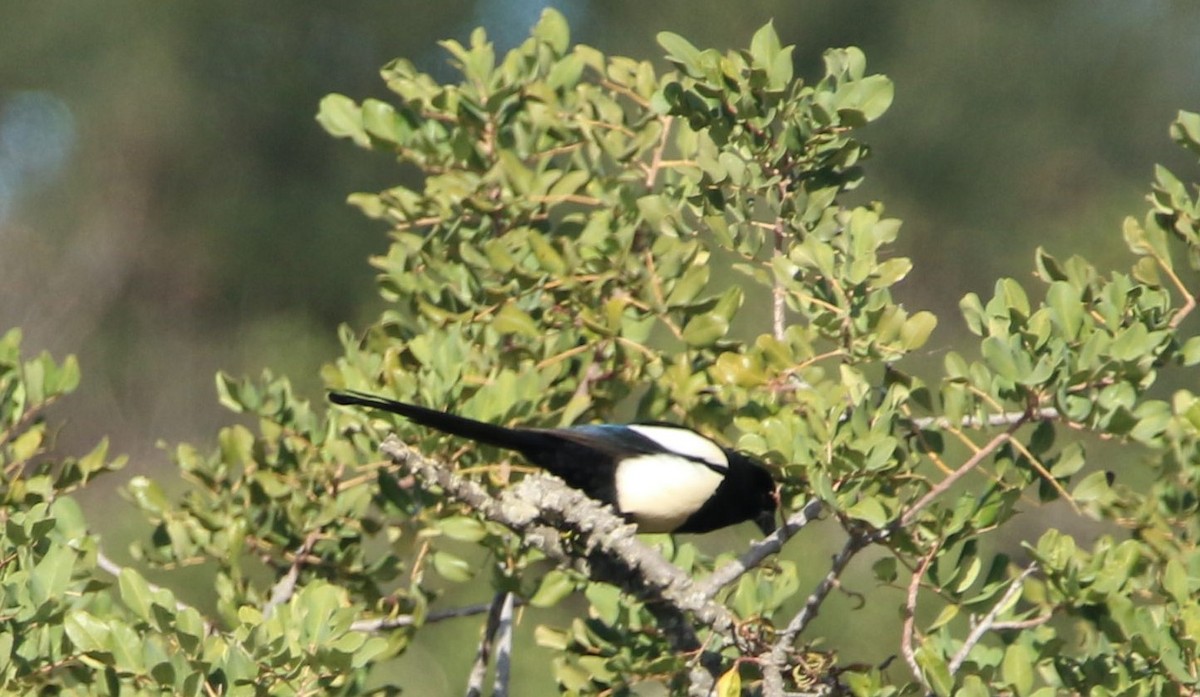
(547, 256)
(948, 613)
(764, 45)
(462, 528)
(549, 638)
(890, 272)
(1064, 302)
(87, 632)
(1149, 240)
(1017, 668)
(885, 569)
(66, 377)
(6, 646)
(688, 286)
(341, 117)
(451, 567)
(705, 330)
(780, 72)
(569, 183)
(1186, 130)
(373, 648)
(1000, 358)
(97, 460)
(1013, 296)
(738, 369)
(729, 303)
(235, 395)
(318, 603)
(606, 600)
(870, 97)
(973, 312)
(125, 645)
(1132, 343)
(1069, 461)
(973, 686)
(871, 511)
(1191, 351)
(555, 586)
(936, 671)
(1175, 582)
(135, 593)
(1048, 268)
(51, 576)
(916, 330)
(379, 119)
(680, 50)
(148, 495)
(552, 28)
(1093, 487)
(513, 320)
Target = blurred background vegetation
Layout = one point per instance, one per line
(169, 207)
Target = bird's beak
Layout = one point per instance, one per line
(766, 522)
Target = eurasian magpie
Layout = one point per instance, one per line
(664, 478)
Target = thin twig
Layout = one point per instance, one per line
(484, 652)
(774, 660)
(989, 620)
(910, 617)
(778, 292)
(1189, 301)
(760, 550)
(504, 644)
(657, 153)
(812, 604)
(382, 623)
(1019, 625)
(1040, 468)
(940, 488)
(285, 587)
(992, 420)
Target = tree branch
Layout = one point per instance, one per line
(383, 623)
(989, 620)
(991, 420)
(484, 652)
(774, 660)
(604, 547)
(504, 648)
(940, 488)
(910, 617)
(760, 550)
(285, 587)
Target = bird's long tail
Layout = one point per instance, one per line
(490, 434)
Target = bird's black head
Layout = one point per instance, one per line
(747, 493)
(763, 495)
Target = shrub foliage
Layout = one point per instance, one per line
(586, 237)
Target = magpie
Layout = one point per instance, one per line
(662, 477)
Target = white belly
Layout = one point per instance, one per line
(661, 491)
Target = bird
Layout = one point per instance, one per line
(662, 477)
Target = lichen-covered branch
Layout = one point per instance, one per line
(604, 546)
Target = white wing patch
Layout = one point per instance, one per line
(661, 491)
(685, 442)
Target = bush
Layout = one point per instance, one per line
(591, 239)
